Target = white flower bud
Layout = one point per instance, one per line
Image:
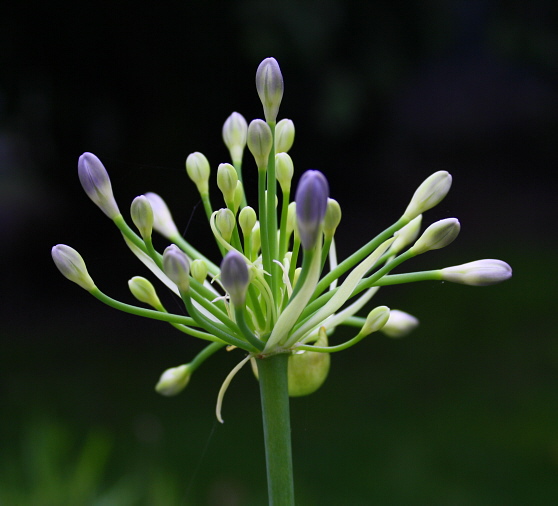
(429, 194)
(177, 267)
(144, 291)
(375, 320)
(478, 273)
(95, 181)
(437, 235)
(142, 216)
(71, 265)
(269, 83)
(227, 178)
(162, 219)
(235, 131)
(284, 171)
(284, 135)
(174, 380)
(399, 324)
(406, 235)
(225, 223)
(260, 142)
(198, 171)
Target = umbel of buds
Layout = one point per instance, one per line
(274, 292)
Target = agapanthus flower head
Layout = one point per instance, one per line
(279, 288)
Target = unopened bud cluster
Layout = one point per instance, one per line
(274, 291)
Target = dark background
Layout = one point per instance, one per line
(464, 411)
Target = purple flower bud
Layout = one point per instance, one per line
(96, 182)
(71, 265)
(269, 83)
(235, 277)
(311, 205)
(177, 267)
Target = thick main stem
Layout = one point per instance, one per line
(272, 372)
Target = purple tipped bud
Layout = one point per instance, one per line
(311, 205)
(96, 182)
(269, 83)
(177, 267)
(71, 265)
(478, 273)
(235, 277)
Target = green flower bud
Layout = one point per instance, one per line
(437, 235)
(198, 270)
(235, 131)
(198, 170)
(375, 320)
(95, 181)
(284, 135)
(247, 220)
(256, 239)
(142, 216)
(260, 142)
(399, 324)
(225, 223)
(144, 291)
(478, 273)
(284, 171)
(332, 217)
(162, 219)
(227, 178)
(269, 83)
(308, 370)
(291, 218)
(71, 265)
(177, 267)
(429, 194)
(238, 195)
(174, 380)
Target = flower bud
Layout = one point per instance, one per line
(375, 320)
(284, 135)
(198, 270)
(284, 170)
(142, 216)
(247, 220)
(144, 291)
(260, 141)
(71, 265)
(198, 171)
(174, 380)
(235, 277)
(269, 83)
(256, 239)
(478, 273)
(225, 223)
(235, 131)
(96, 182)
(429, 194)
(399, 324)
(162, 219)
(437, 235)
(227, 178)
(332, 217)
(177, 267)
(311, 204)
(406, 235)
(238, 196)
(308, 370)
(291, 218)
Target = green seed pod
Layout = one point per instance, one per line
(308, 370)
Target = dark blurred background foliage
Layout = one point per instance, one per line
(464, 411)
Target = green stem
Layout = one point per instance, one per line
(272, 372)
